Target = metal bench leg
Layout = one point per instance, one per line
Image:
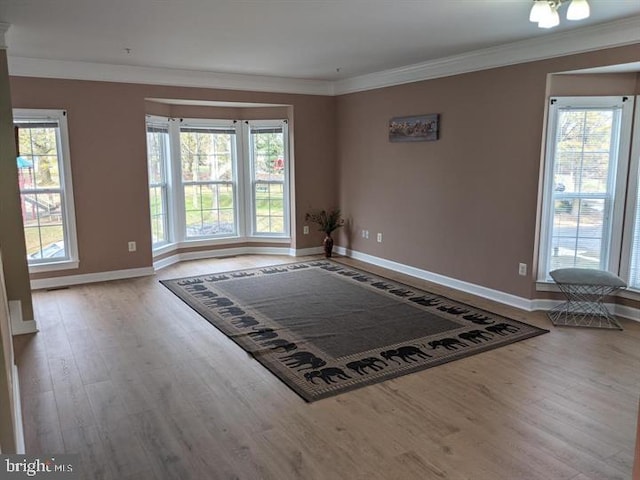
(584, 307)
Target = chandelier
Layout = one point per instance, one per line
(545, 12)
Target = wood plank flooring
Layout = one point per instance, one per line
(142, 387)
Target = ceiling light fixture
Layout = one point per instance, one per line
(545, 12)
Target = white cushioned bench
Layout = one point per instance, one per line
(586, 290)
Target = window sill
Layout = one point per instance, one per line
(164, 248)
(210, 242)
(546, 286)
(54, 266)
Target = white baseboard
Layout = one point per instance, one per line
(494, 295)
(623, 311)
(17, 420)
(18, 325)
(22, 327)
(227, 252)
(65, 281)
(301, 252)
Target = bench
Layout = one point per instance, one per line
(586, 290)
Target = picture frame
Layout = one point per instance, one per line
(415, 128)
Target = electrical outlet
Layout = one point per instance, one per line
(305, 229)
(365, 233)
(132, 246)
(522, 269)
(379, 238)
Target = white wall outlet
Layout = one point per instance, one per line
(132, 246)
(522, 269)
(305, 229)
(365, 233)
(379, 238)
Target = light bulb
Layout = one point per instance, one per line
(578, 10)
(539, 11)
(550, 21)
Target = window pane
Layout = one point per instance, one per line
(157, 142)
(206, 155)
(577, 233)
(583, 146)
(595, 173)
(39, 207)
(209, 209)
(157, 161)
(268, 154)
(46, 242)
(38, 157)
(158, 216)
(269, 206)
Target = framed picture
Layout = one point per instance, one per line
(416, 128)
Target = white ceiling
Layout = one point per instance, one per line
(303, 39)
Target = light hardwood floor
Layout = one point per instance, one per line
(139, 385)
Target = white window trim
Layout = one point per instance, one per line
(181, 221)
(621, 169)
(66, 186)
(164, 121)
(633, 189)
(250, 202)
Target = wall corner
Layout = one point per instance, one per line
(18, 325)
(4, 28)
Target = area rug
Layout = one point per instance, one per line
(324, 328)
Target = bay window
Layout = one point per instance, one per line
(230, 179)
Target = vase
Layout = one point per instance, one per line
(328, 245)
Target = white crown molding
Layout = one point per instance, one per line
(596, 37)
(4, 28)
(102, 72)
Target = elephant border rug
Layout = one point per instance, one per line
(324, 328)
